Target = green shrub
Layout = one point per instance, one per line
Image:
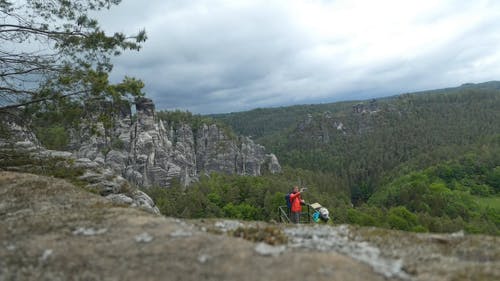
(241, 211)
(357, 217)
(398, 222)
(401, 218)
(55, 137)
(482, 190)
(419, 228)
(117, 144)
(493, 179)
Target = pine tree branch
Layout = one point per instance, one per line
(5, 108)
(20, 28)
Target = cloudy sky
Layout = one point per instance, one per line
(219, 56)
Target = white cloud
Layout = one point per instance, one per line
(223, 55)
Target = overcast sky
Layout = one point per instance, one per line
(229, 55)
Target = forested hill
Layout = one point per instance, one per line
(364, 141)
(263, 122)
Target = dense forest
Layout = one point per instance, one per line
(365, 141)
(427, 161)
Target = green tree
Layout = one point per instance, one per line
(494, 179)
(51, 49)
(401, 218)
(54, 137)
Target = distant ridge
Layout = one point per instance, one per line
(261, 122)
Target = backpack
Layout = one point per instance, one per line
(288, 203)
(316, 216)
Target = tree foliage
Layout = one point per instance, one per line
(52, 48)
(364, 142)
(421, 201)
(244, 197)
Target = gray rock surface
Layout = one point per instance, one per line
(324, 238)
(94, 174)
(269, 250)
(273, 164)
(120, 199)
(148, 152)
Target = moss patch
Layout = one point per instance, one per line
(268, 234)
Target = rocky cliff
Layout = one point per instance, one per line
(325, 126)
(149, 152)
(20, 151)
(114, 157)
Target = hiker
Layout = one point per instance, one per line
(296, 202)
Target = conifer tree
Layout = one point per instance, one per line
(53, 49)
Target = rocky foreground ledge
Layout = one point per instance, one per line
(52, 230)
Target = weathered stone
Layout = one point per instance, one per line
(98, 178)
(86, 163)
(89, 231)
(269, 250)
(142, 200)
(120, 199)
(148, 154)
(145, 113)
(273, 164)
(46, 255)
(105, 187)
(339, 239)
(91, 141)
(91, 177)
(181, 233)
(26, 145)
(17, 132)
(55, 153)
(228, 225)
(143, 238)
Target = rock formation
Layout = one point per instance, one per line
(114, 160)
(20, 151)
(150, 152)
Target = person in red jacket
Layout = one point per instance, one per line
(296, 201)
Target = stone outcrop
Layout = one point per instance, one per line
(147, 151)
(364, 108)
(21, 151)
(218, 152)
(321, 128)
(273, 164)
(13, 134)
(151, 152)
